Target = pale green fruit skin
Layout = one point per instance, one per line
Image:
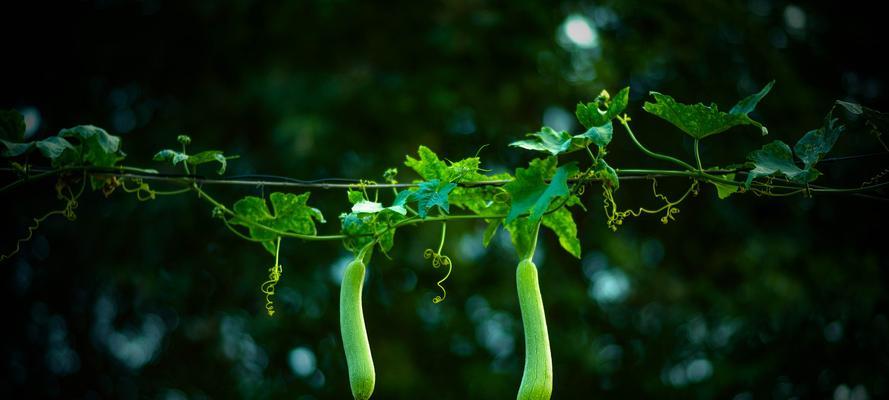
(362, 376)
(537, 380)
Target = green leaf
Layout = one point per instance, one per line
(700, 121)
(430, 167)
(481, 199)
(195, 159)
(818, 142)
(403, 197)
(15, 149)
(562, 223)
(490, 231)
(530, 192)
(289, 213)
(54, 147)
(853, 108)
(599, 135)
(359, 228)
(603, 109)
(876, 121)
(430, 194)
(170, 155)
(523, 233)
(605, 172)
(748, 104)
(355, 196)
(724, 190)
(775, 158)
(208, 156)
(548, 141)
(12, 126)
(98, 147)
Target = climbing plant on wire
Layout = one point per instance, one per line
(547, 192)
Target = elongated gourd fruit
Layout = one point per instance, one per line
(361, 366)
(537, 380)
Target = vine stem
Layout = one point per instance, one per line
(698, 154)
(624, 121)
(533, 247)
(203, 195)
(188, 180)
(444, 231)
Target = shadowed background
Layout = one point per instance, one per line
(744, 298)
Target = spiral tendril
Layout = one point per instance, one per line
(268, 287)
(63, 192)
(439, 260)
(616, 217)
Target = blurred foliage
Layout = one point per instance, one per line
(743, 298)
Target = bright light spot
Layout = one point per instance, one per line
(558, 118)
(32, 120)
(302, 361)
(578, 30)
(609, 286)
(338, 269)
(699, 370)
(470, 246)
(677, 376)
(843, 392)
(794, 17)
(495, 335)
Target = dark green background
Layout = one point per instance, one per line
(745, 298)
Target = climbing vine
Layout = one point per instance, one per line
(542, 193)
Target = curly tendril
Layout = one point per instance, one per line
(268, 287)
(142, 190)
(439, 260)
(616, 217)
(880, 176)
(63, 192)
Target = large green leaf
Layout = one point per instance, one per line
(562, 223)
(775, 158)
(530, 191)
(598, 135)
(700, 121)
(98, 147)
(605, 172)
(14, 149)
(54, 147)
(57, 149)
(289, 213)
(523, 233)
(603, 109)
(818, 142)
(428, 194)
(547, 140)
(430, 167)
(360, 229)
